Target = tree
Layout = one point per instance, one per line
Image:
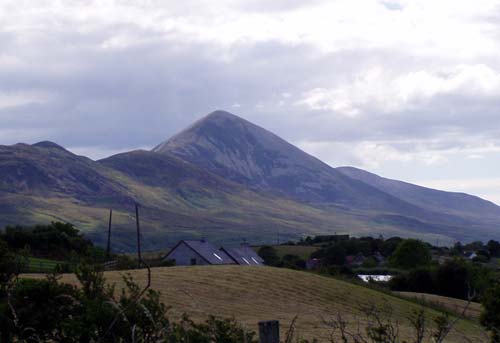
(493, 248)
(269, 255)
(411, 253)
(457, 249)
(490, 317)
(389, 245)
(416, 280)
(453, 279)
(334, 255)
(293, 262)
(369, 262)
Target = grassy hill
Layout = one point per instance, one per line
(251, 294)
(454, 305)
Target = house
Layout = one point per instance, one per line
(379, 257)
(470, 255)
(197, 252)
(355, 260)
(244, 255)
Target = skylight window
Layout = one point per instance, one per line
(253, 259)
(244, 259)
(217, 256)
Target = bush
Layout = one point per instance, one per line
(333, 255)
(293, 262)
(57, 240)
(269, 255)
(417, 280)
(411, 253)
(47, 310)
(369, 262)
(490, 317)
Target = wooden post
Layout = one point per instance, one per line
(108, 248)
(139, 257)
(269, 331)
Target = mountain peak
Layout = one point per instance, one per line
(212, 125)
(48, 145)
(221, 114)
(218, 117)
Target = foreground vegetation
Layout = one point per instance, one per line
(252, 294)
(192, 304)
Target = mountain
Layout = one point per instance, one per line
(238, 150)
(44, 182)
(46, 168)
(226, 179)
(443, 202)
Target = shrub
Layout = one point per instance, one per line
(411, 253)
(269, 255)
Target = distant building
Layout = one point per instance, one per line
(355, 260)
(470, 255)
(201, 252)
(244, 255)
(379, 257)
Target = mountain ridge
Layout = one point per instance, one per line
(222, 178)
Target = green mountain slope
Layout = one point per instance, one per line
(225, 179)
(178, 199)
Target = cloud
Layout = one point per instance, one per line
(385, 85)
(377, 90)
(18, 99)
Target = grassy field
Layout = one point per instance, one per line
(452, 304)
(251, 294)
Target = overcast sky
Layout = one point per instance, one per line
(406, 89)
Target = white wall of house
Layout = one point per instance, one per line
(185, 256)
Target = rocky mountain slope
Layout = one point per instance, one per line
(226, 179)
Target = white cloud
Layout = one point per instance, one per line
(15, 99)
(380, 90)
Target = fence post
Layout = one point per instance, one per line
(269, 331)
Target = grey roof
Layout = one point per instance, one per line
(244, 255)
(209, 252)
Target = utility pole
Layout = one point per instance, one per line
(139, 257)
(108, 249)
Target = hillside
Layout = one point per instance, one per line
(252, 294)
(454, 305)
(226, 179)
(44, 182)
(236, 149)
(444, 202)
